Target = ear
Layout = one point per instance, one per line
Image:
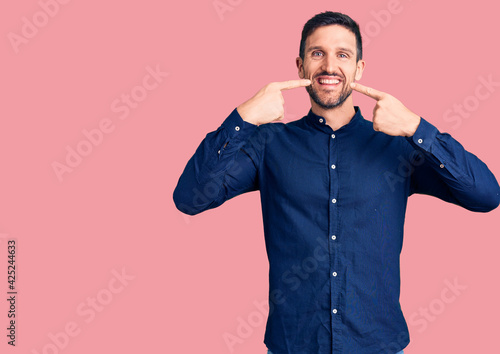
(300, 67)
(360, 67)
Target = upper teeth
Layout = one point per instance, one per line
(326, 81)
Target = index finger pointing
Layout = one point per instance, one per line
(291, 84)
(368, 91)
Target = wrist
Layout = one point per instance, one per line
(413, 123)
(245, 115)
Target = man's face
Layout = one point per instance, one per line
(330, 63)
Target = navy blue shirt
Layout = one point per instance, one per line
(333, 206)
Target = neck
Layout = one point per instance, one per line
(336, 117)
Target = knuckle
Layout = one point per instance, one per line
(270, 86)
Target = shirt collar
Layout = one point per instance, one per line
(319, 122)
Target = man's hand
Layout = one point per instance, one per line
(267, 104)
(390, 116)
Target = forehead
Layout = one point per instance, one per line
(331, 36)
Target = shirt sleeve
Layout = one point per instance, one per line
(447, 171)
(220, 169)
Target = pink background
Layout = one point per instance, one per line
(193, 280)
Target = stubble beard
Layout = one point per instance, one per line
(329, 103)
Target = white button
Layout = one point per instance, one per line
(442, 166)
(334, 274)
(420, 141)
(218, 152)
(334, 237)
(237, 128)
(333, 136)
(321, 120)
(334, 201)
(333, 167)
(334, 311)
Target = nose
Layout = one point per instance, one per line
(330, 64)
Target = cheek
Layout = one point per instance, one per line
(353, 75)
(308, 73)
(311, 67)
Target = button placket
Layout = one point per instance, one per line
(336, 322)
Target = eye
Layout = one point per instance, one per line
(317, 54)
(344, 56)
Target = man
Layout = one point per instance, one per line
(334, 189)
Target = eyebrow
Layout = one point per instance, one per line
(340, 49)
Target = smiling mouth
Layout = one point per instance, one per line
(328, 81)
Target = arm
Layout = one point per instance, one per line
(226, 162)
(220, 169)
(447, 171)
(451, 173)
